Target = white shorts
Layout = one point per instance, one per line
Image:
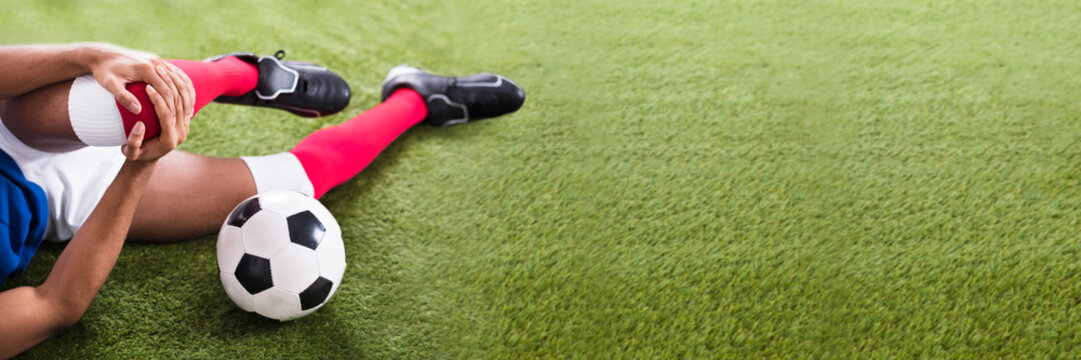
(73, 181)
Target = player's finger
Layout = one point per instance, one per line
(167, 119)
(149, 74)
(191, 90)
(182, 135)
(186, 89)
(161, 107)
(161, 83)
(176, 99)
(123, 96)
(181, 105)
(134, 145)
(128, 100)
(184, 97)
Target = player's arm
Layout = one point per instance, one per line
(32, 314)
(29, 315)
(24, 68)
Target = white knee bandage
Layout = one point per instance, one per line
(280, 171)
(94, 114)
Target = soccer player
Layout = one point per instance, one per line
(86, 155)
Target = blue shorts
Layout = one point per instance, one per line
(23, 217)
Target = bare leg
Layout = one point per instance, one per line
(189, 196)
(40, 118)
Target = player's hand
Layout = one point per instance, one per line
(174, 130)
(183, 105)
(114, 67)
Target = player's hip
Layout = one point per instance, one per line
(73, 181)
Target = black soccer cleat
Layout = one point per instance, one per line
(456, 100)
(301, 88)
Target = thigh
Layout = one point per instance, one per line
(189, 196)
(40, 118)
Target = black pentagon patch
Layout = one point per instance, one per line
(253, 272)
(305, 229)
(315, 294)
(243, 212)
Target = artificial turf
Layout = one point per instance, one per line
(701, 179)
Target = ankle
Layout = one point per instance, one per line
(240, 76)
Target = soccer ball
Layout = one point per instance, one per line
(280, 254)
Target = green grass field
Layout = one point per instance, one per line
(687, 179)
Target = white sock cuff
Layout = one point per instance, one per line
(281, 171)
(93, 114)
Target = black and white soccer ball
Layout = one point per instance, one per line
(280, 254)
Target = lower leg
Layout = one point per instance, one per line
(204, 190)
(229, 76)
(336, 154)
(191, 195)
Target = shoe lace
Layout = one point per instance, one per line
(280, 54)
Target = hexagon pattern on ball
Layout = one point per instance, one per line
(305, 229)
(254, 273)
(280, 254)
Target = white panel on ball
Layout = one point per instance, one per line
(236, 291)
(278, 304)
(230, 248)
(331, 255)
(294, 268)
(265, 234)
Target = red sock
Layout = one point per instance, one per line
(335, 154)
(228, 76)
